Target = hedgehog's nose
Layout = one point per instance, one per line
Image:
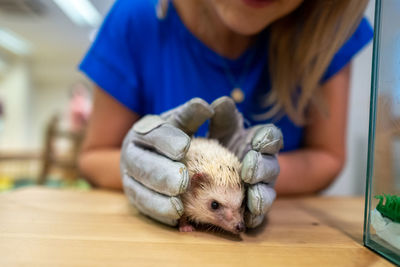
(240, 227)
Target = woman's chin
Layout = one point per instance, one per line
(258, 3)
(246, 27)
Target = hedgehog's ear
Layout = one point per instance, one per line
(198, 179)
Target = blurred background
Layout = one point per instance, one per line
(45, 102)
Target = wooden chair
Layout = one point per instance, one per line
(66, 161)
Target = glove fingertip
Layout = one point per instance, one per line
(249, 164)
(252, 221)
(227, 120)
(224, 100)
(260, 198)
(147, 124)
(268, 140)
(191, 115)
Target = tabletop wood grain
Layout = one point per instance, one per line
(48, 227)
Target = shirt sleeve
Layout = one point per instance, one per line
(351, 47)
(111, 62)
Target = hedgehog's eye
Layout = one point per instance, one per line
(214, 205)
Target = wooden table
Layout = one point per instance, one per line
(46, 227)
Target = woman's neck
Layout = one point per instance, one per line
(205, 24)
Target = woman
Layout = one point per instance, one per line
(283, 61)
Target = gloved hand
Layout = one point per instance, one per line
(257, 148)
(152, 177)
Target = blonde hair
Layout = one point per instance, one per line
(302, 44)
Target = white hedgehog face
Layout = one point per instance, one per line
(218, 205)
(225, 208)
(216, 192)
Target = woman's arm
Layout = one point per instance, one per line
(307, 170)
(313, 167)
(108, 125)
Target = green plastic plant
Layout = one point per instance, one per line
(391, 208)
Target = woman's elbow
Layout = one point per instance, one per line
(336, 165)
(101, 167)
(86, 169)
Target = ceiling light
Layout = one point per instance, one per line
(12, 42)
(81, 12)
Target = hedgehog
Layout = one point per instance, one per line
(216, 192)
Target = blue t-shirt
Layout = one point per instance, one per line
(152, 65)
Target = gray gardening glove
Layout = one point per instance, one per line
(257, 148)
(152, 177)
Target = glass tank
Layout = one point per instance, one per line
(382, 202)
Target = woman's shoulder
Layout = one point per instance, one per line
(135, 7)
(362, 35)
(138, 13)
(133, 23)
